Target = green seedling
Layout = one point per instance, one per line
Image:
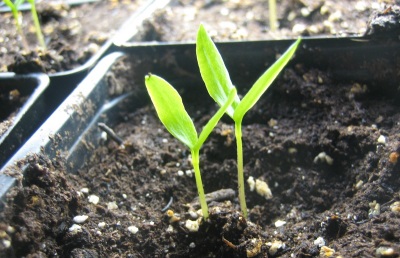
(273, 20)
(18, 18)
(219, 85)
(18, 21)
(172, 113)
(36, 22)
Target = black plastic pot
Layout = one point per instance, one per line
(28, 118)
(75, 121)
(54, 88)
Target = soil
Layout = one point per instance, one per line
(327, 149)
(72, 33)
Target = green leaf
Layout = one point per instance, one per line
(213, 70)
(170, 110)
(262, 84)
(215, 119)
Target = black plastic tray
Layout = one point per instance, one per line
(54, 90)
(27, 120)
(75, 121)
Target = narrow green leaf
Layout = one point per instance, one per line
(213, 70)
(262, 84)
(215, 119)
(170, 110)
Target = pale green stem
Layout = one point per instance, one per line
(35, 18)
(18, 22)
(239, 147)
(199, 183)
(273, 21)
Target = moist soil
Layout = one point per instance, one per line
(328, 151)
(72, 33)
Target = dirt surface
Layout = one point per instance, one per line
(328, 151)
(72, 34)
(249, 19)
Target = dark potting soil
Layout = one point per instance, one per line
(327, 150)
(73, 34)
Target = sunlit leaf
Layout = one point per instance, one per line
(170, 110)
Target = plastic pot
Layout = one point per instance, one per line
(52, 89)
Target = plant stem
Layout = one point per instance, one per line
(273, 24)
(18, 22)
(239, 147)
(202, 198)
(35, 18)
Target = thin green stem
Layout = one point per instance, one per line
(199, 183)
(239, 147)
(273, 21)
(35, 18)
(18, 21)
(215, 119)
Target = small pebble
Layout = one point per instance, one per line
(279, 223)
(6, 243)
(382, 139)
(262, 189)
(192, 225)
(133, 229)
(320, 242)
(112, 206)
(101, 224)
(75, 229)
(251, 183)
(80, 219)
(85, 190)
(93, 199)
(384, 252)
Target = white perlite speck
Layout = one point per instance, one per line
(279, 223)
(6, 243)
(320, 242)
(133, 229)
(323, 157)
(75, 229)
(382, 139)
(251, 183)
(85, 190)
(262, 189)
(93, 199)
(112, 205)
(80, 219)
(192, 225)
(101, 224)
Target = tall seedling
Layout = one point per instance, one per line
(36, 22)
(219, 85)
(18, 19)
(172, 113)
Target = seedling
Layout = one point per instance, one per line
(18, 21)
(219, 85)
(18, 18)
(273, 20)
(38, 30)
(172, 113)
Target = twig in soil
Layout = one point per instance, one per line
(110, 133)
(168, 204)
(230, 244)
